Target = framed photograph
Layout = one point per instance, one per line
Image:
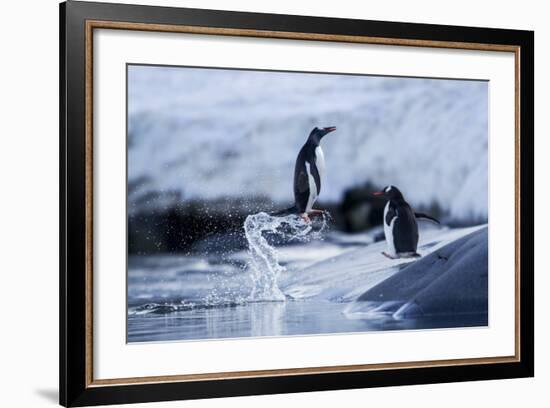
(256, 203)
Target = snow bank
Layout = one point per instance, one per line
(450, 281)
(345, 277)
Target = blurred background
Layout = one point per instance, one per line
(207, 147)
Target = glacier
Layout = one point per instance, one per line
(207, 134)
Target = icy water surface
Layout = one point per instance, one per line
(302, 317)
(308, 286)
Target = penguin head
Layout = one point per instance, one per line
(389, 193)
(318, 133)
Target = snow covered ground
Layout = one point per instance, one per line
(347, 276)
(206, 134)
(452, 280)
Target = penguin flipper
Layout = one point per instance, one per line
(391, 213)
(426, 216)
(301, 190)
(301, 183)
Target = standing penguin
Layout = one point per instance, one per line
(308, 175)
(400, 226)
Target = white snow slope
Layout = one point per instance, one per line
(346, 276)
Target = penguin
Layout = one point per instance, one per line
(400, 226)
(309, 171)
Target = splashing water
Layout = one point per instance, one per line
(264, 263)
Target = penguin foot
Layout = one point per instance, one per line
(402, 255)
(305, 217)
(409, 255)
(388, 255)
(317, 212)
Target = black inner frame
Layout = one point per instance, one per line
(73, 390)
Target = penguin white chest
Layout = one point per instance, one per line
(320, 161)
(312, 189)
(388, 230)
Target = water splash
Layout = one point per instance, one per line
(264, 263)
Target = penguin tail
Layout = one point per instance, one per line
(285, 212)
(426, 216)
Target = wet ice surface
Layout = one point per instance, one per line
(310, 286)
(294, 317)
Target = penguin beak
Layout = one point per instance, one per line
(330, 129)
(378, 193)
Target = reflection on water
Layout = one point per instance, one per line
(273, 319)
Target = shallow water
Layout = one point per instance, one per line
(313, 285)
(303, 317)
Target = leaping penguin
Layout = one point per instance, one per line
(400, 226)
(308, 175)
